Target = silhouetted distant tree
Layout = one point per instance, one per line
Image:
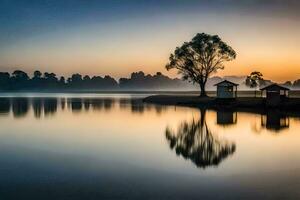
(50, 76)
(76, 81)
(288, 84)
(4, 80)
(109, 80)
(37, 80)
(37, 74)
(19, 79)
(50, 80)
(69, 80)
(296, 83)
(140, 81)
(20, 75)
(86, 78)
(198, 59)
(62, 82)
(254, 80)
(76, 78)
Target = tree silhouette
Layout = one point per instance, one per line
(86, 78)
(288, 84)
(37, 81)
(62, 81)
(19, 79)
(194, 141)
(4, 81)
(37, 74)
(198, 59)
(50, 76)
(254, 80)
(76, 78)
(142, 81)
(20, 75)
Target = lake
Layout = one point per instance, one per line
(114, 146)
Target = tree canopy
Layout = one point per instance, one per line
(254, 79)
(204, 55)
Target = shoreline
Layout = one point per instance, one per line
(241, 104)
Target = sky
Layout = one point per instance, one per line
(117, 37)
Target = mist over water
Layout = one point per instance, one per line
(114, 146)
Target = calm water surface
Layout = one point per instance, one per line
(116, 147)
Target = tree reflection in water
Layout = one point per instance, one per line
(194, 141)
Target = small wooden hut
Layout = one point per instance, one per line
(226, 90)
(275, 94)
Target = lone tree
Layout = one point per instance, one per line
(198, 59)
(254, 80)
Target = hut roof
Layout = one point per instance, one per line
(274, 86)
(226, 83)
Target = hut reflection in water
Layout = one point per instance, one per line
(226, 118)
(275, 120)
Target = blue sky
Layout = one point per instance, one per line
(118, 36)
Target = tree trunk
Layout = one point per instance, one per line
(202, 90)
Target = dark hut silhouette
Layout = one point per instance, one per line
(226, 89)
(275, 94)
(194, 141)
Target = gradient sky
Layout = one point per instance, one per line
(117, 37)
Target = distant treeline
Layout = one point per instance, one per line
(296, 83)
(38, 81)
(21, 81)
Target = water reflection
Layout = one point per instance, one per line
(137, 106)
(75, 104)
(37, 106)
(20, 107)
(4, 106)
(49, 106)
(194, 141)
(125, 140)
(226, 118)
(275, 120)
